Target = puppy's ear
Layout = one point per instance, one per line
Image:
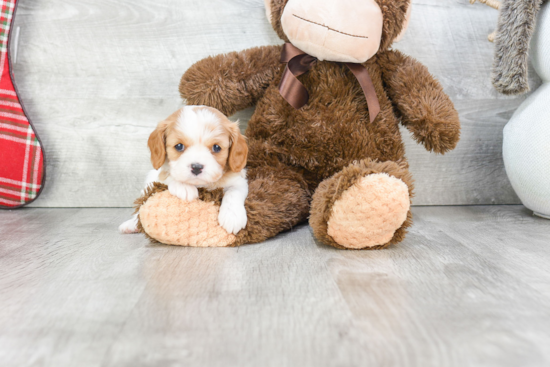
(157, 145)
(238, 153)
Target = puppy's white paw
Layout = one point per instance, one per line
(232, 218)
(183, 191)
(130, 226)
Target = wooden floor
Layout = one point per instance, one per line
(469, 287)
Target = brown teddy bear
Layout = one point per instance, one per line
(324, 141)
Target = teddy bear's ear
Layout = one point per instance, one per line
(274, 11)
(268, 9)
(406, 25)
(516, 25)
(396, 14)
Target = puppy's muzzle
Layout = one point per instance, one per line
(196, 168)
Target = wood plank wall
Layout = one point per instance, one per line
(96, 76)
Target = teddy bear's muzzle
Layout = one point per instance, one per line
(342, 31)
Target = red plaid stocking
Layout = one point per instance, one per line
(21, 158)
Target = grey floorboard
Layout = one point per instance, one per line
(470, 286)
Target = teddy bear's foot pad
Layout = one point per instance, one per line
(369, 212)
(173, 221)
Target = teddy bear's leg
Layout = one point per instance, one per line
(364, 206)
(278, 199)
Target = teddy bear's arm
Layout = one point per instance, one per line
(420, 102)
(231, 82)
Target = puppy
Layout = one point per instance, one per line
(198, 146)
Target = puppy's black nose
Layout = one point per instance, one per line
(196, 168)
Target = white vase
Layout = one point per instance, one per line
(526, 146)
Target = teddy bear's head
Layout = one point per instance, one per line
(342, 31)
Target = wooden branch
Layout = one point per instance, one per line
(492, 36)
(492, 3)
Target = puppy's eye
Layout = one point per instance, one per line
(179, 147)
(216, 148)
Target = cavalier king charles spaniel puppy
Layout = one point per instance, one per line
(198, 146)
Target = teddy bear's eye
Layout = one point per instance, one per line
(216, 148)
(180, 147)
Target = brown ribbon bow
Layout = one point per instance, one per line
(298, 63)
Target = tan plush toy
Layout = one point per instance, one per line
(324, 141)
